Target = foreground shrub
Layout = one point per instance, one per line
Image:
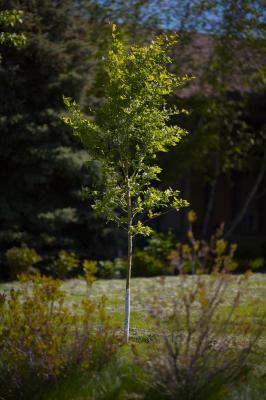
(204, 342)
(42, 337)
(119, 379)
(21, 260)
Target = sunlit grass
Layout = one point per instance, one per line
(252, 303)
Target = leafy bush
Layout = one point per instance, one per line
(162, 256)
(200, 255)
(65, 263)
(119, 379)
(120, 267)
(160, 244)
(21, 260)
(254, 263)
(90, 270)
(199, 353)
(153, 260)
(106, 269)
(42, 337)
(112, 269)
(146, 264)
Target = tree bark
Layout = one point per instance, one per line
(127, 296)
(129, 254)
(239, 217)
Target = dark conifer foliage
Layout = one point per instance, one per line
(41, 166)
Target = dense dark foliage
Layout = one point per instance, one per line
(42, 168)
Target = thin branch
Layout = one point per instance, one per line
(160, 215)
(250, 198)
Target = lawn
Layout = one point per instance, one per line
(145, 291)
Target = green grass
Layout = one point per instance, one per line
(143, 291)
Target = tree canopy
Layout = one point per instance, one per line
(129, 129)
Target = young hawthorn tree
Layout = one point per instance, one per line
(128, 130)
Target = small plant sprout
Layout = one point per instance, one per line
(126, 133)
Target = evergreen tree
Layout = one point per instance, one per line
(41, 167)
(9, 18)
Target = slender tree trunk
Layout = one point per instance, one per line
(211, 199)
(127, 297)
(249, 199)
(129, 255)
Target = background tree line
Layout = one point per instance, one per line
(42, 168)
